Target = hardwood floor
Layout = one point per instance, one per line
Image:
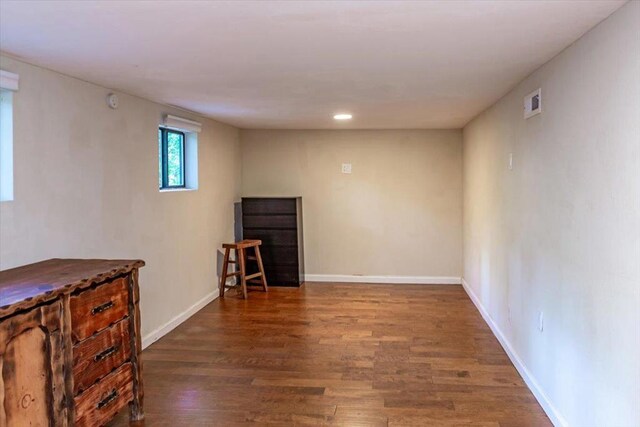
(336, 354)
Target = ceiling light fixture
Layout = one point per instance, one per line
(343, 116)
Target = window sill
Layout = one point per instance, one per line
(176, 190)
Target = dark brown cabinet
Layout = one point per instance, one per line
(277, 221)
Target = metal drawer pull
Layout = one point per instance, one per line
(108, 399)
(104, 354)
(101, 308)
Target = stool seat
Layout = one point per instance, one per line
(242, 244)
(241, 260)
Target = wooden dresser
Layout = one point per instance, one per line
(277, 221)
(70, 343)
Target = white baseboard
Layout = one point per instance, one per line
(163, 330)
(556, 418)
(423, 280)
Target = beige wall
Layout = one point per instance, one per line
(560, 233)
(86, 185)
(398, 214)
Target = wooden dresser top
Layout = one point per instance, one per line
(29, 285)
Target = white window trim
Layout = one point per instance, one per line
(176, 190)
(9, 81)
(181, 124)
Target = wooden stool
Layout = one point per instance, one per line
(240, 248)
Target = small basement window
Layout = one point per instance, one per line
(8, 85)
(178, 154)
(171, 144)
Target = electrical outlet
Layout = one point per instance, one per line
(346, 168)
(540, 321)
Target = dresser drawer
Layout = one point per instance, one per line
(271, 206)
(95, 357)
(96, 309)
(279, 256)
(272, 237)
(269, 221)
(282, 276)
(98, 404)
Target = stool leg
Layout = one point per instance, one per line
(243, 273)
(261, 268)
(223, 277)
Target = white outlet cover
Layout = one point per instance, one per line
(541, 321)
(112, 100)
(346, 168)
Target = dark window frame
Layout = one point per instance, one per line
(165, 159)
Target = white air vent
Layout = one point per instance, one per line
(533, 104)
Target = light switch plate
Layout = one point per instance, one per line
(346, 168)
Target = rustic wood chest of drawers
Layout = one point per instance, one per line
(70, 343)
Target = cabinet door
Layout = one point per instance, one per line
(31, 362)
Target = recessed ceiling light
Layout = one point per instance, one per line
(342, 116)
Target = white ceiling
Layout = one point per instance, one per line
(431, 64)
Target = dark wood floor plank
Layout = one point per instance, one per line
(336, 354)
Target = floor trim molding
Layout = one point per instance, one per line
(423, 280)
(163, 330)
(554, 415)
